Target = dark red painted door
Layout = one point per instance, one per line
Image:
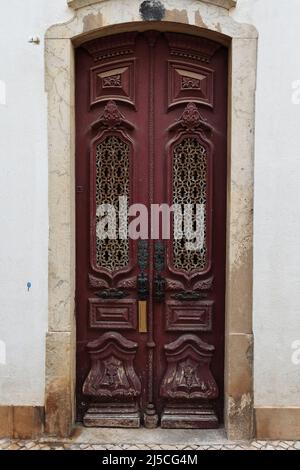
(151, 130)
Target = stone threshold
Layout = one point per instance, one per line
(143, 436)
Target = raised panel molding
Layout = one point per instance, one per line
(76, 4)
(189, 316)
(114, 314)
(190, 83)
(108, 48)
(113, 80)
(190, 48)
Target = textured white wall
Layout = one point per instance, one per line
(277, 200)
(23, 201)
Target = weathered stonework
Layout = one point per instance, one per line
(84, 3)
(21, 422)
(277, 423)
(100, 18)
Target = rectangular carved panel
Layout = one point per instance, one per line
(189, 315)
(113, 80)
(113, 314)
(188, 82)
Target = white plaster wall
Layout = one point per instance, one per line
(277, 200)
(23, 201)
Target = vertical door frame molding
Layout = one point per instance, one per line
(110, 17)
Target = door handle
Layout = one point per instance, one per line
(159, 266)
(142, 284)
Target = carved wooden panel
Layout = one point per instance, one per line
(189, 316)
(112, 46)
(111, 177)
(151, 120)
(190, 155)
(188, 375)
(112, 375)
(113, 314)
(188, 82)
(190, 47)
(113, 80)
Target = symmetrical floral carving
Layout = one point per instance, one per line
(112, 116)
(112, 81)
(127, 283)
(97, 282)
(173, 284)
(188, 83)
(191, 117)
(112, 374)
(191, 120)
(204, 284)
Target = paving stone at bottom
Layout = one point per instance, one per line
(13, 444)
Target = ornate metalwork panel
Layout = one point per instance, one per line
(112, 181)
(190, 187)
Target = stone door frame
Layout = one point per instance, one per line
(205, 18)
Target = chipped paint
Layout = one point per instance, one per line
(92, 21)
(198, 20)
(178, 16)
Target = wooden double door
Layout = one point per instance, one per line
(151, 112)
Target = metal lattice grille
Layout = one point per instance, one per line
(112, 181)
(190, 187)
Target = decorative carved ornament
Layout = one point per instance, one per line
(202, 285)
(191, 120)
(112, 375)
(76, 4)
(110, 176)
(111, 118)
(188, 375)
(113, 80)
(190, 83)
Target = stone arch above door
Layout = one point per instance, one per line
(84, 3)
(209, 18)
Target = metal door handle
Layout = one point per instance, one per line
(159, 266)
(142, 284)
